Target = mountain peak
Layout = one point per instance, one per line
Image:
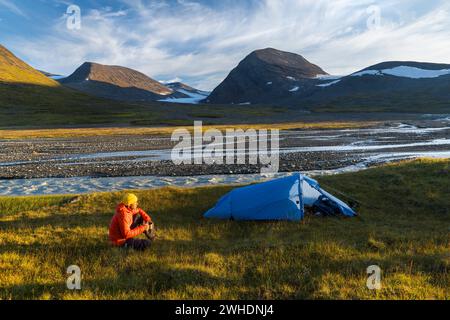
(301, 67)
(116, 82)
(272, 52)
(267, 51)
(180, 86)
(266, 75)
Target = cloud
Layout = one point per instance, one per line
(176, 79)
(201, 43)
(12, 7)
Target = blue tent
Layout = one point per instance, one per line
(279, 199)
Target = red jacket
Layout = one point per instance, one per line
(119, 229)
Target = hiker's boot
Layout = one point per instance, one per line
(151, 234)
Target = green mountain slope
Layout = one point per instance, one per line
(15, 71)
(29, 98)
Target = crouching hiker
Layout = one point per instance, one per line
(129, 222)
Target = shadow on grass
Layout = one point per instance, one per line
(161, 280)
(62, 220)
(263, 272)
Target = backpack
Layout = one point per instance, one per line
(325, 207)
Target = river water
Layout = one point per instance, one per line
(373, 146)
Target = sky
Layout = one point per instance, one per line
(199, 42)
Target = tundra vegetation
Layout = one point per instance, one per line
(403, 228)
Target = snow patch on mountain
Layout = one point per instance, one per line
(55, 77)
(405, 72)
(328, 84)
(294, 89)
(192, 97)
(367, 73)
(327, 77)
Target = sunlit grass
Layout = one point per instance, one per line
(83, 132)
(403, 227)
(13, 70)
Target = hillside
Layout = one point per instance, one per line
(15, 71)
(266, 76)
(404, 86)
(116, 82)
(277, 78)
(29, 98)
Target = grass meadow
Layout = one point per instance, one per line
(403, 227)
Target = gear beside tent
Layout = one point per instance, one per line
(279, 199)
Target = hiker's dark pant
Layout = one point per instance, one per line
(137, 244)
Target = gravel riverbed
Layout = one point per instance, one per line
(145, 155)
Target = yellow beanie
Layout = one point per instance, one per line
(129, 199)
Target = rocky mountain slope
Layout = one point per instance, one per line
(116, 82)
(389, 86)
(266, 76)
(279, 78)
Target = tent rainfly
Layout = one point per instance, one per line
(279, 199)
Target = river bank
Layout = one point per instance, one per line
(114, 162)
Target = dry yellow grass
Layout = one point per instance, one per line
(15, 71)
(106, 131)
